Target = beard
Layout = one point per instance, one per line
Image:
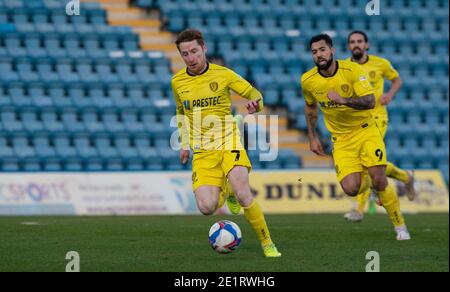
(327, 64)
(357, 54)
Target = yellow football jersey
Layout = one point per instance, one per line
(349, 81)
(204, 100)
(378, 69)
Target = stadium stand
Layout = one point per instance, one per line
(83, 93)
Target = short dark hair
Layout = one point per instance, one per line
(189, 35)
(366, 39)
(321, 37)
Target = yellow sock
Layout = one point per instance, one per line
(221, 199)
(393, 171)
(364, 192)
(362, 200)
(255, 217)
(391, 203)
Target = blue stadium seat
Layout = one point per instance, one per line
(46, 71)
(21, 147)
(43, 147)
(92, 121)
(71, 121)
(52, 122)
(58, 95)
(104, 147)
(31, 121)
(124, 145)
(104, 71)
(18, 95)
(117, 94)
(66, 72)
(77, 94)
(10, 121)
(131, 121)
(111, 120)
(5, 149)
(36, 93)
(100, 100)
(84, 147)
(85, 71)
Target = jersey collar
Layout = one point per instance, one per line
(367, 61)
(204, 71)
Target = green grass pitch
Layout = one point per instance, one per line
(180, 244)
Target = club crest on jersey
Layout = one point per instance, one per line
(213, 86)
(345, 88)
(187, 104)
(372, 74)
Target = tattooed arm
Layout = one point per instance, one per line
(311, 115)
(359, 103)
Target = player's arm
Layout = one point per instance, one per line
(365, 94)
(255, 103)
(246, 90)
(311, 116)
(182, 130)
(391, 74)
(359, 103)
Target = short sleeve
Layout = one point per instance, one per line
(309, 99)
(389, 71)
(238, 84)
(361, 84)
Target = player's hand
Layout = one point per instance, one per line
(334, 96)
(316, 146)
(253, 106)
(184, 156)
(385, 99)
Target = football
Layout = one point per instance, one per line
(224, 236)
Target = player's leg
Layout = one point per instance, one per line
(228, 194)
(395, 172)
(389, 199)
(237, 166)
(207, 198)
(233, 143)
(350, 173)
(373, 156)
(364, 192)
(207, 180)
(238, 178)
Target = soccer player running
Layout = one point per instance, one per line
(345, 96)
(203, 103)
(377, 70)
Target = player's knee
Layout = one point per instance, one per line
(244, 197)
(379, 181)
(207, 208)
(351, 189)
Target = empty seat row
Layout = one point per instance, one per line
(301, 7)
(70, 70)
(57, 90)
(21, 44)
(88, 121)
(51, 15)
(67, 29)
(75, 164)
(51, 4)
